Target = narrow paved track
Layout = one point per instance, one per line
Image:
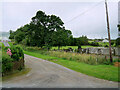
(6, 44)
(50, 75)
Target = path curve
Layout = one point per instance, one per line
(45, 74)
(6, 44)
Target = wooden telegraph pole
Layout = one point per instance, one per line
(108, 27)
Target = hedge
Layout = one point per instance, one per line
(9, 63)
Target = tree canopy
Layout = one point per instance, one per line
(43, 30)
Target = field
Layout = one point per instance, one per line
(73, 47)
(103, 44)
(10, 43)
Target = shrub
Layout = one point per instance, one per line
(17, 53)
(117, 41)
(116, 60)
(79, 46)
(5, 48)
(112, 43)
(24, 42)
(106, 45)
(6, 58)
(12, 40)
(32, 48)
(19, 37)
(95, 44)
(14, 43)
(6, 62)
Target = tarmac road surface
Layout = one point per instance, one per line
(45, 74)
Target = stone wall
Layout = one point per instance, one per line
(117, 51)
(94, 50)
(102, 50)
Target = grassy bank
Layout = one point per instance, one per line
(16, 73)
(107, 72)
(10, 43)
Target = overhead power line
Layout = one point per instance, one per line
(84, 12)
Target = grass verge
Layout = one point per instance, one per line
(10, 43)
(107, 72)
(16, 73)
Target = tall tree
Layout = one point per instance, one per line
(12, 34)
(82, 40)
(43, 30)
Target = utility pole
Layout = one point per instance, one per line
(108, 27)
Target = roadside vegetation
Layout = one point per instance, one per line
(73, 47)
(10, 43)
(11, 56)
(89, 64)
(103, 71)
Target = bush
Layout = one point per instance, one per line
(79, 46)
(19, 37)
(24, 42)
(14, 43)
(3, 45)
(32, 48)
(12, 40)
(9, 62)
(17, 53)
(117, 41)
(5, 48)
(106, 45)
(107, 62)
(116, 60)
(112, 43)
(95, 44)
(6, 63)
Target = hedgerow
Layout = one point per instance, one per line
(8, 59)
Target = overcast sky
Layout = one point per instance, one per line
(82, 18)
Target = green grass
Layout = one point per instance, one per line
(107, 72)
(16, 73)
(0, 57)
(3, 45)
(73, 47)
(103, 44)
(87, 46)
(10, 43)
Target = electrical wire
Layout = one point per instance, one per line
(84, 12)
